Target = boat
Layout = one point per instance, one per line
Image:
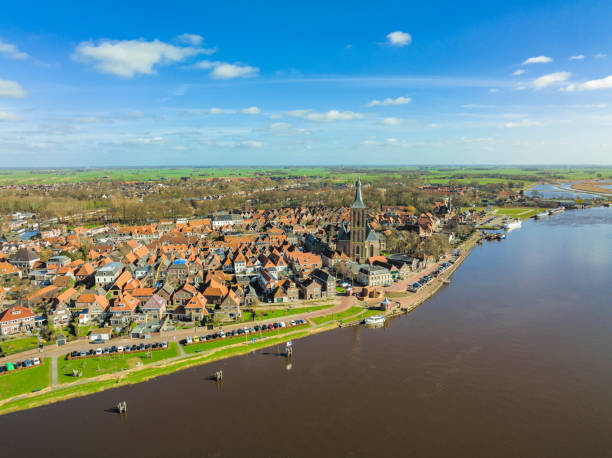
(541, 215)
(557, 210)
(515, 224)
(375, 320)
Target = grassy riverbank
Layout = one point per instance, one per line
(139, 375)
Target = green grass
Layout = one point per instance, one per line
(206, 346)
(25, 380)
(13, 346)
(270, 314)
(138, 376)
(92, 367)
(350, 313)
(83, 330)
(340, 290)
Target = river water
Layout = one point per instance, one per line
(511, 360)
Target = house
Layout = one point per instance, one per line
(178, 272)
(184, 295)
(229, 309)
(16, 320)
(326, 280)
(60, 315)
(195, 309)
(107, 274)
(155, 307)
(373, 275)
(119, 285)
(9, 270)
(309, 289)
(85, 274)
(25, 259)
(123, 311)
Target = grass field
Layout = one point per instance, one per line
(347, 314)
(270, 314)
(463, 175)
(25, 380)
(92, 367)
(18, 345)
(138, 376)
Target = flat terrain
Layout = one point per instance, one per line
(25, 380)
(462, 175)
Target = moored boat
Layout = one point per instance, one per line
(375, 320)
(514, 224)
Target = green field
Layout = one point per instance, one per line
(463, 175)
(25, 380)
(269, 314)
(13, 346)
(92, 367)
(139, 376)
(347, 314)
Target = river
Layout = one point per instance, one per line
(511, 360)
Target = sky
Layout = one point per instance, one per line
(305, 83)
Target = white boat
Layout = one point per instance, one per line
(515, 224)
(541, 215)
(374, 320)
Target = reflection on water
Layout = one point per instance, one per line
(510, 360)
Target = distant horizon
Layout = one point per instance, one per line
(306, 166)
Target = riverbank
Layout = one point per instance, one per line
(142, 373)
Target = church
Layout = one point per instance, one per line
(359, 241)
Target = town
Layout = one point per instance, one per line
(181, 286)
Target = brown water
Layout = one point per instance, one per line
(511, 360)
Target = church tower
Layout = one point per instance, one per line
(357, 235)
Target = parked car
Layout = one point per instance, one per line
(27, 363)
(189, 340)
(83, 353)
(36, 361)
(164, 344)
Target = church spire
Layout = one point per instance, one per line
(358, 203)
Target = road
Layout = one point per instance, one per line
(52, 351)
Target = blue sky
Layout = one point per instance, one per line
(373, 83)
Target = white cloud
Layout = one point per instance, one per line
(224, 70)
(140, 141)
(332, 115)
(253, 143)
(190, 39)
(519, 72)
(251, 110)
(11, 51)
(128, 58)
(11, 89)
(550, 79)
(298, 113)
(600, 55)
(538, 60)
(493, 90)
(398, 38)
(390, 101)
(280, 125)
(392, 121)
(8, 116)
(521, 123)
(218, 111)
(593, 85)
(577, 57)
(276, 116)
